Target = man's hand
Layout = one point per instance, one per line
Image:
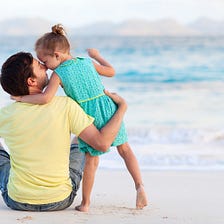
(103, 138)
(117, 99)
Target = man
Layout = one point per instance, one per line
(42, 172)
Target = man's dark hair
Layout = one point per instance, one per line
(15, 72)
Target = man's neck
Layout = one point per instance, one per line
(34, 91)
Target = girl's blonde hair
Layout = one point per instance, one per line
(55, 40)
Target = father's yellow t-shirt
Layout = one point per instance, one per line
(38, 138)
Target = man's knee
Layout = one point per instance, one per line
(4, 157)
(77, 158)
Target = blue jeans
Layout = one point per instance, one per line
(76, 165)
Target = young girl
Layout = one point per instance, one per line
(80, 80)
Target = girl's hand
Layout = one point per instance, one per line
(16, 98)
(93, 53)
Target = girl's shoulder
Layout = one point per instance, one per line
(82, 58)
(71, 62)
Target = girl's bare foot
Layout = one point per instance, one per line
(82, 208)
(141, 198)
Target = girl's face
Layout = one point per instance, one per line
(50, 61)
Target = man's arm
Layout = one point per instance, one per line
(103, 138)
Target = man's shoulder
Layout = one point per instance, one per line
(71, 106)
(7, 111)
(64, 99)
(61, 98)
(8, 107)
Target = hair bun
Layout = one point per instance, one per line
(58, 29)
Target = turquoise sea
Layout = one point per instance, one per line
(174, 87)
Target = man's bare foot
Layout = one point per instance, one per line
(141, 198)
(82, 208)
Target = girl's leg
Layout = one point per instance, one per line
(131, 162)
(91, 165)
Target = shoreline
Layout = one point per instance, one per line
(174, 197)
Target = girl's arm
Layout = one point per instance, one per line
(103, 67)
(46, 96)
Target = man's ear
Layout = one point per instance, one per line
(31, 81)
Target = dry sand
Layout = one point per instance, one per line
(175, 197)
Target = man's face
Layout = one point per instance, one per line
(40, 71)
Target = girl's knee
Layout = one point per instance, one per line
(124, 147)
(92, 160)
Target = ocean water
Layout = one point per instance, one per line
(174, 87)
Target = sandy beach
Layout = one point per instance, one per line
(175, 197)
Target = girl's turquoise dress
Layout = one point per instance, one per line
(83, 84)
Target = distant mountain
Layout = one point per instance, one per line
(167, 27)
(208, 27)
(24, 26)
(134, 27)
(100, 28)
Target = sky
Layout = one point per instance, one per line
(76, 13)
